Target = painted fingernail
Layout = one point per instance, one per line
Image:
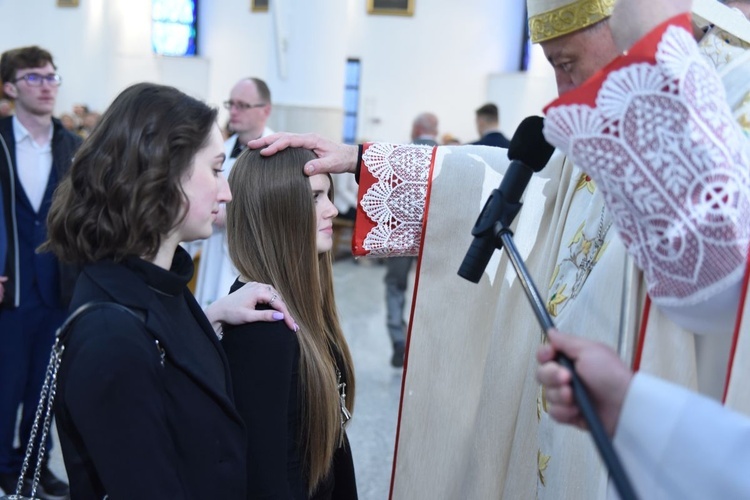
(309, 168)
(277, 315)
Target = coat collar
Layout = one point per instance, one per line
(126, 287)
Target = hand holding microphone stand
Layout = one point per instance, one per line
(529, 153)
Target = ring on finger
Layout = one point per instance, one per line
(273, 297)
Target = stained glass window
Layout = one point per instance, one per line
(174, 27)
(351, 100)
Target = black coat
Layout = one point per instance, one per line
(264, 361)
(137, 418)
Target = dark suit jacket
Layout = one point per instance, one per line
(136, 425)
(64, 145)
(496, 139)
(425, 142)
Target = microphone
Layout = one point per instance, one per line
(529, 152)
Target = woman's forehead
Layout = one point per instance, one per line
(320, 182)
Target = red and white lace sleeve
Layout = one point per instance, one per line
(393, 186)
(654, 131)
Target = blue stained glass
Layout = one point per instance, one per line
(352, 73)
(174, 27)
(350, 129)
(351, 100)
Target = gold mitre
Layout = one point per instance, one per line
(550, 19)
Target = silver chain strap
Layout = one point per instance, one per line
(47, 399)
(46, 403)
(345, 415)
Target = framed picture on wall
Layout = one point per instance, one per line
(391, 7)
(259, 5)
(67, 3)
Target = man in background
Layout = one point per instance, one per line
(35, 153)
(249, 107)
(488, 126)
(424, 132)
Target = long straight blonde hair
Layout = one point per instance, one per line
(271, 234)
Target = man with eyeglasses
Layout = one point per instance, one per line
(35, 153)
(249, 107)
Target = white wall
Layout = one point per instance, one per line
(442, 59)
(74, 35)
(237, 42)
(438, 60)
(530, 94)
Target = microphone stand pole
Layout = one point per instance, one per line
(504, 238)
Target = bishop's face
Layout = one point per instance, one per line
(577, 56)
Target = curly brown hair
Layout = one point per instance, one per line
(123, 194)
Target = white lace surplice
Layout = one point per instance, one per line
(463, 432)
(395, 202)
(671, 156)
(662, 144)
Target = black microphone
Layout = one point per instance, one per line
(529, 152)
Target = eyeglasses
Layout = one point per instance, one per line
(242, 105)
(35, 79)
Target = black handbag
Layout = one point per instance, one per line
(44, 409)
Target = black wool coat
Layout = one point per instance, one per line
(136, 415)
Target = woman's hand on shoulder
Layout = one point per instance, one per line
(240, 307)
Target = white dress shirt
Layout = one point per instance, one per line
(33, 163)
